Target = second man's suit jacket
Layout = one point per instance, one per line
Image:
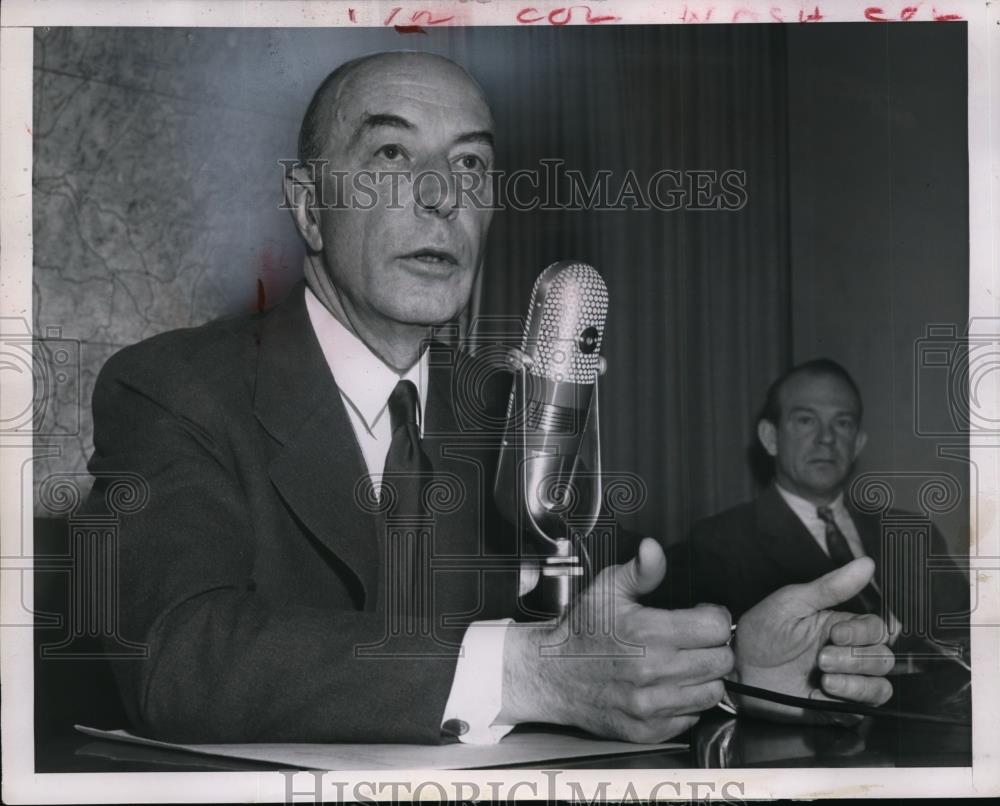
(745, 553)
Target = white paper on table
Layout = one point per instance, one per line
(515, 748)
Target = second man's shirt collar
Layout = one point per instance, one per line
(806, 510)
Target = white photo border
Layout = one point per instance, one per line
(22, 785)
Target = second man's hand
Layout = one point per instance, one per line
(794, 643)
(614, 667)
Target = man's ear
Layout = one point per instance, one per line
(768, 436)
(859, 442)
(300, 196)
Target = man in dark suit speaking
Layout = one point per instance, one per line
(802, 526)
(319, 558)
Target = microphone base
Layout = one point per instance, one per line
(562, 573)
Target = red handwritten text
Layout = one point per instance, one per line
(563, 15)
(907, 13)
(692, 16)
(751, 12)
(421, 17)
(944, 17)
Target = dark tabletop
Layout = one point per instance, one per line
(719, 740)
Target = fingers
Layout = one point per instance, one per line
(836, 587)
(700, 627)
(700, 689)
(643, 573)
(859, 631)
(859, 688)
(656, 702)
(873, 660)
(707, 665)
(683, 667)
(701, 697)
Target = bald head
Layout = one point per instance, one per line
(358, 80)
(396, 221)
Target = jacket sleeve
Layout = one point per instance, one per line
(225, 664)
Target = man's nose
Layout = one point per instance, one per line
(826, 434)
(435, 193)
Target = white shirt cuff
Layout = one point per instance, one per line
(477, 688)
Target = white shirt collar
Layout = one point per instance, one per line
(806, 510)
(364, 380)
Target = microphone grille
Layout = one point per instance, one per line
(568, 310)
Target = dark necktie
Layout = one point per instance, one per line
(841, 554)
(407, 473)
(406, 465)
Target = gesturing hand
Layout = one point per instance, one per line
(793, 643)
(614, 667)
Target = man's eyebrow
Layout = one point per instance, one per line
(378, 120)
(808, 409)
(476, 137)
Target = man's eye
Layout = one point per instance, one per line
(471, 162)
(390, 152)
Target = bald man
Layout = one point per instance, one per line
(291, 574)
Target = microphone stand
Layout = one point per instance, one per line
(562, 569)
(561, 572)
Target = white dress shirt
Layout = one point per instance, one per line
(365, 384)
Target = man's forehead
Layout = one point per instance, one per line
(826, 391)
(413, 87)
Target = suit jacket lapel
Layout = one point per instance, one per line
(319, 468)
(786, 539)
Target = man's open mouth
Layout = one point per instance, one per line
(433, 257)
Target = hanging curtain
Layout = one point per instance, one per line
(699, 314)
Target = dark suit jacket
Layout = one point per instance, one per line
(251, 572)
(745, 553)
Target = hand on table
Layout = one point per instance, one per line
(614, 667)
(794, 643)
